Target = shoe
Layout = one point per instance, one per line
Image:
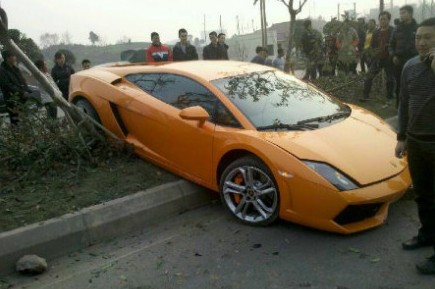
(416, 243)
(427, 267)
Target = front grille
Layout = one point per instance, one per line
(357, 213)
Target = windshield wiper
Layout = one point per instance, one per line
(326, 118)
(289, 126)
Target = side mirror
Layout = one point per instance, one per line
(194, 113)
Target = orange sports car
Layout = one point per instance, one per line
(272, 145)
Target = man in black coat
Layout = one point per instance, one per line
(214, 51)
(402, 44)
(13, 85)
(61, 73)
(183, 50)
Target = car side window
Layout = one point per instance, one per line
(224, 117)
(146, 82)
(182, 92)
(176, 90)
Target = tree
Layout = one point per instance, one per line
(27, 45)
(93, 37)
(293, 12)
(48, 39)
(66, 38)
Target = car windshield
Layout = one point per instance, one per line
(274, 99)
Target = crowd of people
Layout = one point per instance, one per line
(375, 47)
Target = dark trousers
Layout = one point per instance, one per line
(375, 67)
(421, 160)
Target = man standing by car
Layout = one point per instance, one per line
(13, 85)
(416, 135)
(61, 73)
(311, 46)
(381, 59)
(158, 52)
(213, 51)
(223, 45)
(183, 50)
(402, 47)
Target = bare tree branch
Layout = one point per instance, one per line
(285, 3)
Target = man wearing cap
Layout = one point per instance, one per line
(158, 52)
(13, 85)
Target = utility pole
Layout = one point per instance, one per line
(381, 6)
(205, 33)
(423, 10)
(263, 23)
(220, 22)
(338, 12)
(238, 25)
(354, 10)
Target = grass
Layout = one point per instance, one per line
(349, 89)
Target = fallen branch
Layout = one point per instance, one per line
(73, 114)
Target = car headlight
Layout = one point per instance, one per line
(336, 178)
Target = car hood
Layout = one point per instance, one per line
(361, 146)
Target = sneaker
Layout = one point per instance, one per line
(427, 267)
(416, 243)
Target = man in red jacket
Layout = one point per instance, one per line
(157, 52)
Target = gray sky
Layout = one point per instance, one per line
(136, 19)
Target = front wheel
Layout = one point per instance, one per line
(249, 191)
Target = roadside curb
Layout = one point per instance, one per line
(71, 232)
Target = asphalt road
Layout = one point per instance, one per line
(208, 248)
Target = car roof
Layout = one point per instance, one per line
(205, 69)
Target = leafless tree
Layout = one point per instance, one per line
(293, 12)
(66, 38)
(48, 39)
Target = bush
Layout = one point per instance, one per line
(40, 146)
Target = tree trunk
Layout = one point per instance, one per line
(288, 67)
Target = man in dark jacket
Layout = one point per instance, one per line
(312, 49)
(61, 73)
(213, 51)
(221, 43)
(13, 85)
(381, 59)
(183, 50)
(416, 136)
(402, 44)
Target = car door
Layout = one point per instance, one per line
(186, 145)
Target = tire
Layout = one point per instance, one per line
(87, 108)
(255, 201)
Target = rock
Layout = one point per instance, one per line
(31, 264)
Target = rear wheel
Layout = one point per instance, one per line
(249, 191)
(87, 108)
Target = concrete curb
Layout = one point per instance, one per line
(71, 232)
